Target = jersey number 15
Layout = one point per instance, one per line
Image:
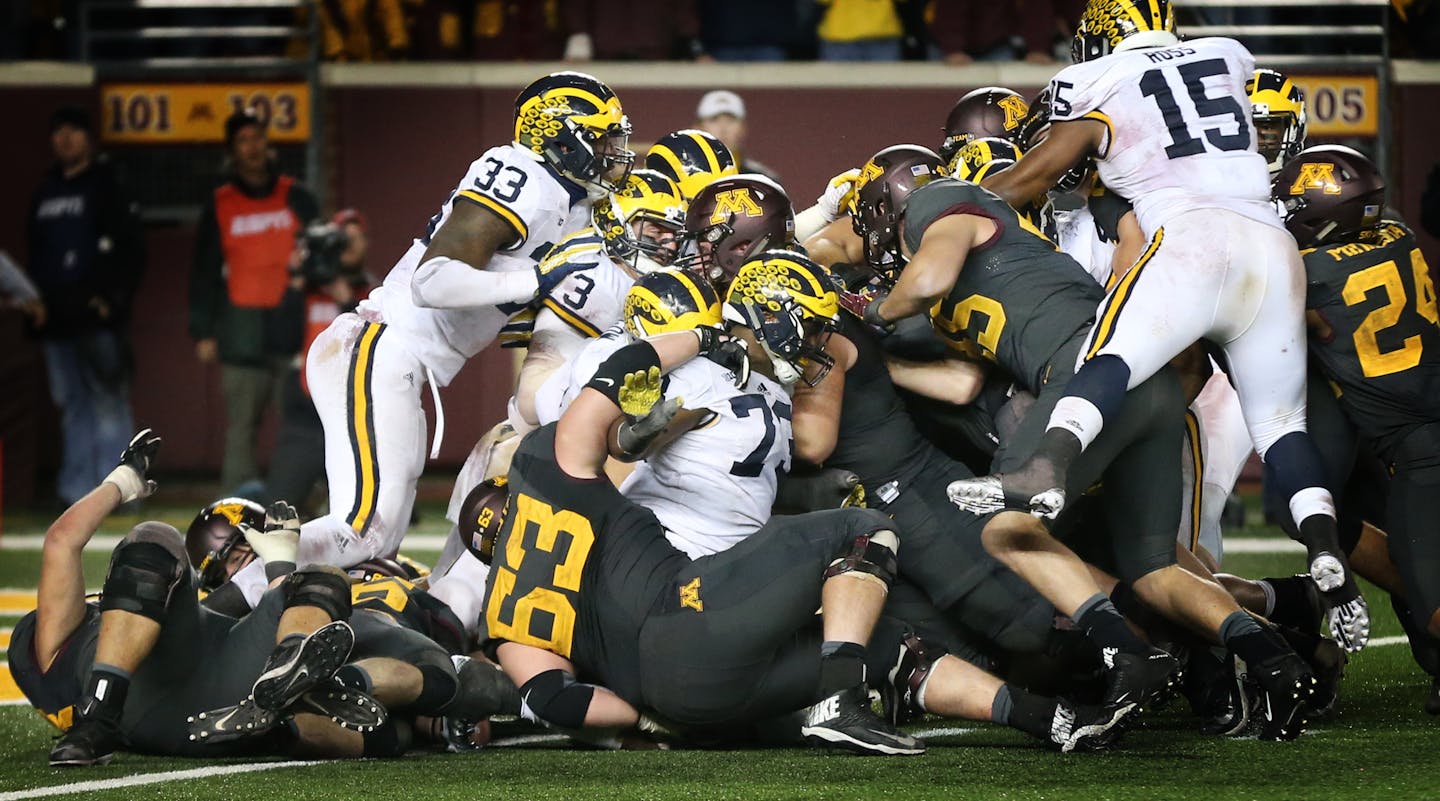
(1185, 130)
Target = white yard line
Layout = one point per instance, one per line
(944, 731)
(149, 778)
(528, 739)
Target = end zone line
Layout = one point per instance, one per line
(152, 778)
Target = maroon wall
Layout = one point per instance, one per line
(399, 151)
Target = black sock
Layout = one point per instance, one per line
(1059, 447)
(1292, 602)
(105, 693)
(1250, 641)
(1103, 624)
(1021, 709)
(842, 666)
(1320, 532)
(437, 690)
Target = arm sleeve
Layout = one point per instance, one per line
(207, 285)
(446, 283)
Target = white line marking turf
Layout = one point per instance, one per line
(149, 778)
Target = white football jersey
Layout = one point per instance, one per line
(714, 485)
(1180, 133)
(527, 194)
(554, 396)
(1079, 238)
(589, 301)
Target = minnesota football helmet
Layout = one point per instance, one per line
(215, 543)
(482, 514)
(980, 158)
(1113, 26)
(885, 181)
(646, 198)
(1329, 192)
(575, 123)
(993, 111)
(670, 300)
(731, 220)
(790, 304)
(1278, 107)
(1034, 130)
(691, 159)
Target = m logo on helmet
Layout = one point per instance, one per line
(1317, 175)
(1015, 111)
(734, 201)
(233, 512)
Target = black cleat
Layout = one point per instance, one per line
(345, 706)
(485, 690)
(1286, 688)
(88, 742)
(230, 723)
(1145, 680)
(1229, 701)
(845, 721)
(1327, 662)
(1082, 727)
(300, 663)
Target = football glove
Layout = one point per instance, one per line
(640, 392)
(636, 434)
(280, 541)
(725, 351)
(548, 275)
(839, 195)
(132, 477)
(865, 304)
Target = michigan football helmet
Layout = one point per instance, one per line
(575, 123)
(215, 543)
(885, 181)
(992, 111)
(1329, 192)
(691, 159)
(670, 300)
(731, 220)
(1278, 107)
(983, 157)
(790, 304)
(1113, 26)
(641, 222)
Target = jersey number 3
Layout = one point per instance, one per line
(1385, 276)
(1184, 138)
(518, 613)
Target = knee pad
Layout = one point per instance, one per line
(162, 534)
(870, 556)
(555, 697)
(142, 578)
(322, 586)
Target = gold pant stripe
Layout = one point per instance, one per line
(362, 428)
(1197, 460)
(1115, 303)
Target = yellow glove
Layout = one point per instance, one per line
(839, 196)
(640, 392)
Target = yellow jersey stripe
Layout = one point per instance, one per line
(505, 212)
(1101, 116)
(1115, 303)
(362, 429)
(1197, 460)
(571, 319)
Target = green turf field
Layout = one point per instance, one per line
(1381, 746)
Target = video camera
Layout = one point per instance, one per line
(322, 244)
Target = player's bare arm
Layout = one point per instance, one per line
(935, 267)
(1063, 148)
(835, 243)
(953, 380)
(815, 418)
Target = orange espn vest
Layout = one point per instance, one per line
(257, 236)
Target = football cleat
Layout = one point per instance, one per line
(231, 722)
(299, 663)
(345, 706)
(1145, 680)
(1230, 701)
(844, 721)
(899, 695)
(1081, 727)
(986, 495)
(485, 690)
(88, 742)
(1286, 687)
(1327, 662)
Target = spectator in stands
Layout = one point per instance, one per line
(630, 30)
(243, 254)
(329, 281)
(860, 30)
(87, 253)
(517, 30)
(962, 31)
(363, 30)
(749, 30)
(721, 114)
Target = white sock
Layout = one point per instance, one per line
(1310, 501)
(1079, 417)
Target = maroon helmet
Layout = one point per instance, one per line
(886, 180)
(1329, 192)
(991, 111)
(481, 516)
(216, 545)
(731, 220)
(380, 567)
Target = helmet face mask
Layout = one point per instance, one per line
(641, 222)
(1277, 106)
(215, 543)
(1112, 26)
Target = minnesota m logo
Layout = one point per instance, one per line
(1316, 176)
(690, 595)
(1015, 111)
(734, 201)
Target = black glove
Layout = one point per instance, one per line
(1108, 208)
(830, 488)
(726, 351)
(132, 476)
(636, 433)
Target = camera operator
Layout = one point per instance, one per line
(327, 279)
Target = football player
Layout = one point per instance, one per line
(130, 670)
(1168, 127)
(478, 262)
(691, 158)
(730, 221)
(1277, 106)
(999, 290)
(1372, 316)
